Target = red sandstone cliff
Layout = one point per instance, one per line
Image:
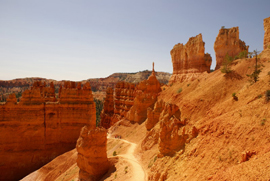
(36, 130)
(108, 109)
(124, 100)
(266, 41)
(228, 42)
(189, 60)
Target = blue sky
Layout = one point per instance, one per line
(77, 40)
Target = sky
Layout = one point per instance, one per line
(80, 39)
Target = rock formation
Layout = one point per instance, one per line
(266, 42)
(92, 156)
(228, 42)
(146, 96)
(38, 129)
(12, 100)
(153, 115)
(123, 100)
(108, 109)
(174, 133)
(189, 60)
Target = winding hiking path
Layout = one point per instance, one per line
(138, 172)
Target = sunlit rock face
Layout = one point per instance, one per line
(146, 95)
(153, 115)
(41, 127)
(174, 132)
(92, 153)
(108, 109)
(189, 60)
(266, 42)
(228, 42)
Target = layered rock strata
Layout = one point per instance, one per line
(266, 41)
(92, 153)
(146, 96)
(228, 42)
(108, 109)
(123, 100)
(39, 128)
(189, 60)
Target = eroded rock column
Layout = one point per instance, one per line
(189, 60)
(92, 156)
(228, 42)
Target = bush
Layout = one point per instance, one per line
(234, 96)
(263, 121)
(226, 64)
(114, 153)
(99, 107)
(179, 90)
(267, 95)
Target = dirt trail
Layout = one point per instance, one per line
(138, 172)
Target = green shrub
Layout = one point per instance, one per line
(234, 96)
(114, 153)
(226, 64)
(263, 121)
(99, 107)
(179, 90)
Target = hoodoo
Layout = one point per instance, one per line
(92, 157)
(266, 42)
(146, 96)
(189, 60)
(228, 42)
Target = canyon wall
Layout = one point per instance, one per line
(228, 42)
(108, 110)
(39, 127)
(266, 41)
(123, 100)
(189, 60)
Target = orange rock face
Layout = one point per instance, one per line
(108, 109)
(12, 100)
(146, 96)
(173, 135)
(189, 60)
(36, 130)
(124, 98)
(228, 42)
(266, 42)
(92, 154)
(153, 115)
